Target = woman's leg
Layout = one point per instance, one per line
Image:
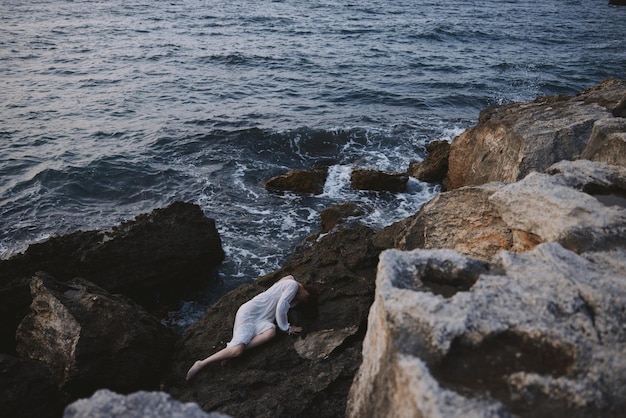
(231, 352)
(262, 338)
(223, 354)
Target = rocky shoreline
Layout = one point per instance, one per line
(502, 296)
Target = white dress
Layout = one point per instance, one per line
(259, 313)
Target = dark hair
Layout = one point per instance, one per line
(308, 310)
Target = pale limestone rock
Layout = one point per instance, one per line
(568, 205)
(608, 142)
(539, 334)
(512, 140)
(551, 209)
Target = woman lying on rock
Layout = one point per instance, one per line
(254, 322)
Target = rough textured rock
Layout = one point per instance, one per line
(364, 179)
(556, 208)
(320, 344)
(338, 214)
(565, 205)
(309, 181)
(539, 334)
(463, 219)
(156, 254)
(608, 142)
(304, 376)
(107, 404)
(91, 339)
(27, 390)
(435, 166)
(510, 141)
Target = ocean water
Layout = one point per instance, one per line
(112, 108)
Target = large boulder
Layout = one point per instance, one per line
(512, 140)
(538, 334)
(303, 376)
(155, 255)
(107, 404)
(565, 205)
(27, 389)
(90, 339)
(608, 142)
(144, 254)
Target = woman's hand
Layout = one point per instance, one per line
(294, 330)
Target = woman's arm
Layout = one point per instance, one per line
(288, 293)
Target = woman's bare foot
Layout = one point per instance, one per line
(193, 370)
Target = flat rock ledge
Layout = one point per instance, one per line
(538, 334)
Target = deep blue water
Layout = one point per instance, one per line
(109, 109)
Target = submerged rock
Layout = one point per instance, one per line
(539, 334)
(364, 179)
(90, 339)
(309, 181)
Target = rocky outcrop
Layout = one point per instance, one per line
(380, 181)
(564, 205)
(538, 334)
(137, 256)
(107, 404)
(27, 390)
(157, 254)
(435, 166)
(608, 142)
(309, 181)
(510, 141)
(90, 339)
(304, 376)
(464, 329)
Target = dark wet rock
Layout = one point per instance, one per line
(141, 255)
(512, 140)
(309, 181)
(107, 404)
(435, 166)
(365, 179)
(304, 376)
(27, 389)
(617, 2)
(338, 214)
(91, 339)
(157, 255)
